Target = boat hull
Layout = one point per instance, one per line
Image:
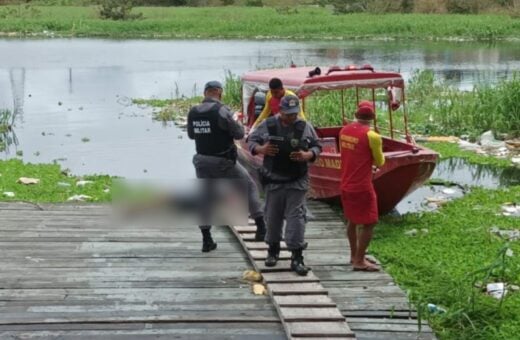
(403, 172)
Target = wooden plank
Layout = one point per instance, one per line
(370, 335)
(245, 229)
(289, 277)
(247, 236)
(34, 318)
(304, 301)
(263, 246)
(310, 314)
(320, 329)
(281, 266)
(262, 255)
(297, 288)
(322, 338)
(388, 327)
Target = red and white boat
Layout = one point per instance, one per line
(407, 165)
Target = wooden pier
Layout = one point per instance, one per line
(65, 272)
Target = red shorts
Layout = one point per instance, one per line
(360, 207)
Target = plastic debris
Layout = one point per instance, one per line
(511, 235)
(79, 198)
(496, 290)
(63, 184)
(412, 232)
(468, 146)
(83, 183)
(511, 209)
(251, 275)
(487, 140)
(259, 289)
(8, 194)
(448, 191)
(106, 191)
(514, 288)
(28, 180)
(434, 309)
(425, 231)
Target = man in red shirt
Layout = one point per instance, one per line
(361, 149)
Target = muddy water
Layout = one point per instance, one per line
(72, 95)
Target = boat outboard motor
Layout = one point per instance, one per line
(259, 103)
(315, 72)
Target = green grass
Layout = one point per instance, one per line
(247, 22)
(443, 265)
(51, 187)
(437, 108)
(452, 150)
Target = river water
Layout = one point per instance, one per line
(72, 96)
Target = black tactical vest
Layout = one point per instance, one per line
(281, 163)
(210, 139)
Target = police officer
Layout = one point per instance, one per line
(214, 130)
(287, 144)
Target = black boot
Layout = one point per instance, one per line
(297, 262)
(273, 254)
(207, 241)
(260, 229)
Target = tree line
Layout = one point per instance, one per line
(337, 6)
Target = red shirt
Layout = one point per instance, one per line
(274, 105)
(360, 148)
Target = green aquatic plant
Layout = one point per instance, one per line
(449, 265)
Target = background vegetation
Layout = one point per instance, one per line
(287, 21)
(338, 6)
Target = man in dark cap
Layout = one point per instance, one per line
(361, 149)
(214, 130)
(287, 144)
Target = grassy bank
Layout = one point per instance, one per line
(55, 185)
(449, 263)
(248, 22)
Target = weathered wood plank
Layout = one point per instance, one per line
(304, 301)
(262, 254)
(199, 316)
(263, 246)
(310, 314)
(289, 277)
(245, 229)
(320, 329)
(281, 266)
(303, 288)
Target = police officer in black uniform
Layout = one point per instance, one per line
(288, 144)
(212, 126)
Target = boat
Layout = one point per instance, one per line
(407, 164)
